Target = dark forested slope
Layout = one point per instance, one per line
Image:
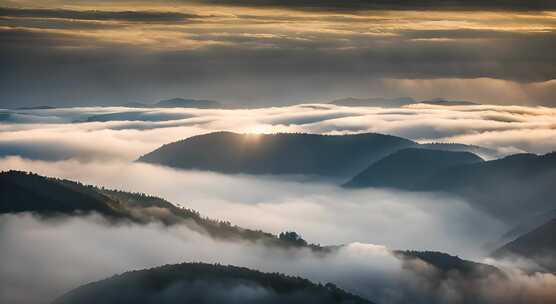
(205, 283)
(308, 154)
(408, 168)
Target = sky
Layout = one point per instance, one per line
(270, 52)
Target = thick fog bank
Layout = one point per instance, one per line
(42, 259)
(127, 133)
(322, 212)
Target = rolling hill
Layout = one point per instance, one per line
(538, 245)
(512, 188)
(188, 103)
(285, 153)
(397, 102)
(374, 102)
(206, 283)
(448, 264)
(44, 196)
(136, 116)
(407, 168)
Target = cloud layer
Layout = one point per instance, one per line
(273, 52)
(37, 254)
(52, 135)
(63, 144)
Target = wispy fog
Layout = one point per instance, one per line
(43, 259)
(55, 134)
(322, 212)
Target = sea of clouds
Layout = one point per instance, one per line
(31, 133)
(98, 145)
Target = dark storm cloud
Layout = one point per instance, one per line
(130, 16)
(355, 5)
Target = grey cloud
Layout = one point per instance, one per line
(131, 16)
(355, 5)
(58, 69)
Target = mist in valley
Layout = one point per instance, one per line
(369, 222)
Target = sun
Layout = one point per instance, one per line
(257, 130)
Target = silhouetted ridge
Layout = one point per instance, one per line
(374, 102)
(397, 102)
(285, 153)
(538, 245)
(511, 188)
(447, 264)
(204, 283)
(28, 192)
(188, 103)
(408, 168)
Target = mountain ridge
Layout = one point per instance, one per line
(281, 153)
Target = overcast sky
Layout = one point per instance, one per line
(265, 52)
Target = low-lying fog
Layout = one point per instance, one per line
(54, 135)
(322, 212)
(41, 260)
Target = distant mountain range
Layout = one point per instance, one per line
(448, 102)
(340, 156)
(374, 102)
(397, 102)
(36, 108)
(178, 103)
(206, 283)
(137, 116)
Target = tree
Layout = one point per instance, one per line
(293, 238)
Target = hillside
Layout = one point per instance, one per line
(308, 154)
(407, 168)
(448, 264)
(28, 192)
(512, 188)
(397, 102)
(137, 116)
(205, 283)
(538, 245)
(374, 102)
(23, 192)
(448, 102)
(188, 103)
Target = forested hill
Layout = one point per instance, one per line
(44, 196)
(511, 188)
(205, 283)
(408, 168)
(538, 245)
(286, 153)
